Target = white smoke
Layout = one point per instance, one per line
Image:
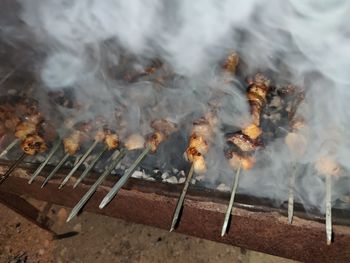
(311, 38)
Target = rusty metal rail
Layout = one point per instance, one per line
(255, 227)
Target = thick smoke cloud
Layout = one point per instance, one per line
(308, 38)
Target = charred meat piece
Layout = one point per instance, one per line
(8, 117)
(155, 139)
(247, 162)
(72, 142)
(163, 126)
(231, 63)
(33, 144)
(80, 134)
(252, 131)
(134, 141)
(199, 143)
(195, 157)
(162, 130)
(326, 165)
(112, 140)
(25, 128)
(243, 142)
(256, 94)
(201, 136)
(11, 122)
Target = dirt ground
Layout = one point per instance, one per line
(104, 239)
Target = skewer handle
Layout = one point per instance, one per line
(81, 160)
(232, 198)
(94, 187)
(329, 208)
(9, 147)
(12, 167)
(124, 178)
(89, 167)
(181, 198)
(54, 171)
(48, 158)
(291, 195)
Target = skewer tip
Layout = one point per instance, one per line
(70, 217)
(104, 202)
(329, 241)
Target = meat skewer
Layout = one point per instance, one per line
(291, 194)
(329, 168)
(12, 167)
(10, 116)
(54, 149)
(94, 187)
(232, 198)
(111, 141)
(202, 133)
(162, 130)
(31, 145)
(328, 208)
(133, 142)
(246, 140)
(89, 167)
(9, 147)
(81, 160)
(71, 146)
(28, 132)
(54, 171)
(294, 137)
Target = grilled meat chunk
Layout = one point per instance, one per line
(247, 162)
(72, 142)
(243, 142)
(25, 128)
(33, 144)
(231, 63)
(134, 141)
(162, 130)
(326, 165)
(252, 131)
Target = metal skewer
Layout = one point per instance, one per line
(81, 160)
(232, 198)
(291, 195)
(54, 171)
(9, 147)
(93, 188)
(181, 198)
(54, 149)
(124, 178)
(329, 208)
(89, 167)
(12, 167)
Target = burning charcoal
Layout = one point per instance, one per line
(171, 180)
(223, 188)
(150, 178)
(137, 174)
(165, 175)
(182, 180)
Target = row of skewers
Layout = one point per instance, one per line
(32, 131)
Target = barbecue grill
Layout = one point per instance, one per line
(147, 190)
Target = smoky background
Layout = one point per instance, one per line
(79, 46)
